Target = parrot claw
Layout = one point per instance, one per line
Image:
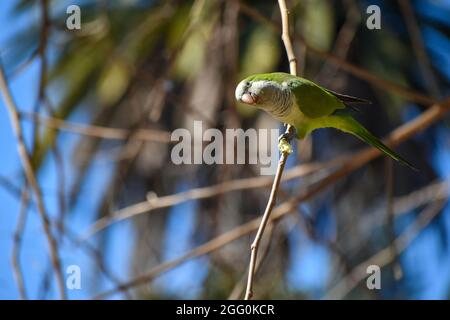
(288, 136)
(283, 142)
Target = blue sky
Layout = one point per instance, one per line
(34, 255)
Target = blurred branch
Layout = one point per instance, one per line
(98, 131)
(23, 66)
(390, 218)
(155, 202)
(36, 146)
(435, 191)
(385, 256)
(30, 175)
(419, 49)
(9, 186)
(206, 248)
(281, 163)
(402, 133)
(92, 251)
(349, 67)
(41, 51)
(405, 204)
(68, 233)
(343, 42)
(17, 243)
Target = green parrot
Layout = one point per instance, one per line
(306, 106)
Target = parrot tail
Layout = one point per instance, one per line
(348, 124)
(349, 100)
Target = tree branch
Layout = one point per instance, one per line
(281, 163)
(31, 178)
(387, 255)
(98, 131)
(156, 202)
(17, 243)
(419, 48)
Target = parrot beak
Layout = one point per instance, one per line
(248, 98)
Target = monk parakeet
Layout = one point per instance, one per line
(306, 106)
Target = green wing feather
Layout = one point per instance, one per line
(313, 100)
(348, 124)
(349, 100)
(323, 109)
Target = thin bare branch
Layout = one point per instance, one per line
(31, 178)
(239, 287)
(419, 48)
(9, 186)
(17, 243)
(98, 131)
(255, 245)
(390, 218)
(281, 163)
(343, 42)
(435, 191)
(155, 202)
(386, 256)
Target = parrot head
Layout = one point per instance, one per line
(262, 91)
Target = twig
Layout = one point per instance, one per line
(68, 233)
(240, 286)
(419, 48)
(98, 131)
(281, 163)
(203, 249)
(402, 133)
(385, 256)
(344, 39)
(390, 218)
(29, 173)
(435, 191)
(93, 251)
(255, 245)
(41, 53)
(43, 101)
(9, 186)
(17, 243)
(205, 192)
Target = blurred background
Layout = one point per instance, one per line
(97, 106)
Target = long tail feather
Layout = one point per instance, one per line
(349, 100)
(349, 125)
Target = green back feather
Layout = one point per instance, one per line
(323, 109)
(313, 100)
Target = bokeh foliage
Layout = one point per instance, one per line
(162, 64)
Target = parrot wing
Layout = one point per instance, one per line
(349, 100)
(349, 125)
(313, 100)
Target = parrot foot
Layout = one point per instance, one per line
(288, 135)
(284, 146)
(283, 142)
